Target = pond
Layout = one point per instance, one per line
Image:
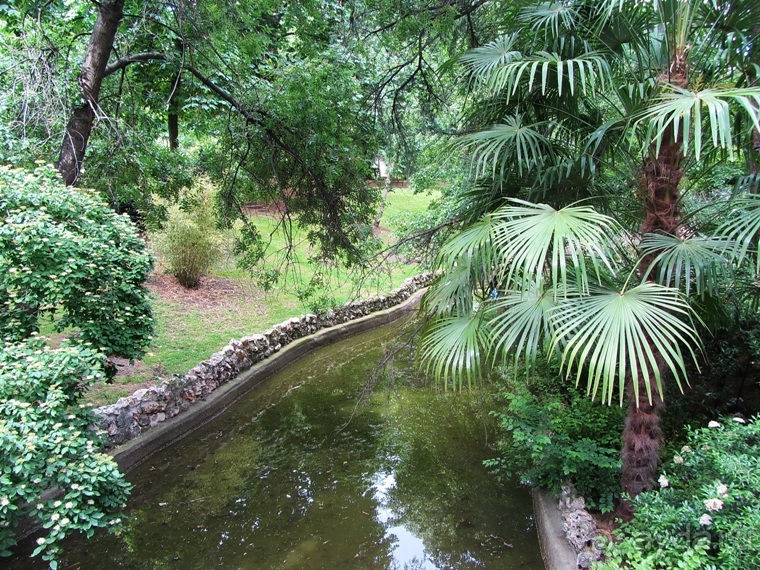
(296, 475)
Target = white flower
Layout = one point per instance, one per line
(55, 517)
(722, 490)
(739, 420)
(713, 424)
(705, 520)
(4, 502)
(713, 504)
(678, 459)
(663, 481)
(41, 540)
(686, 449)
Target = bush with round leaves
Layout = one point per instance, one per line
(64, 254)
(50, 468)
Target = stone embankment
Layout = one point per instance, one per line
(146, 408)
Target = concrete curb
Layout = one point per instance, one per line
(555, 550)
(139, 449)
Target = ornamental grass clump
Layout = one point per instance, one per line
(706, 513)
(189, 243)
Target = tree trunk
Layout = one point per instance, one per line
(173, 115)
(93, 70)
(660, 191)
(641, 440)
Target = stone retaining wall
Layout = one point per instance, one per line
(146, 408)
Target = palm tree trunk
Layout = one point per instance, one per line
(641, 440)
(663, 172)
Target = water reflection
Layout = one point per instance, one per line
(407, 549)
(296, 477)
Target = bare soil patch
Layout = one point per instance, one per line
(213, 292)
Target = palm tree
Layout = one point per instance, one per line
(604, 102)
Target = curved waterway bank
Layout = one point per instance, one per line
(295, 475)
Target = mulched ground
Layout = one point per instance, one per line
(212, 293)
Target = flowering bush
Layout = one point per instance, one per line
(706, 513)
(50, 467)
(66, 255)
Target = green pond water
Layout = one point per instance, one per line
(295, 475)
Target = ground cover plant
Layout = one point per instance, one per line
(552, 434)
(706, 510)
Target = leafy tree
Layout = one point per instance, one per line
(609, 102)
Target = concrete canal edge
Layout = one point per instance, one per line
(141, 448)
(555, 550)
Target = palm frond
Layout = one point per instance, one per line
(699, 260)
(549, 16)
(743, 227)
(588, 72)
(747, 184)
(608, 335)
(532, 238)
(683, 110)
(452, 292)
(451, 349)
(519, 321)
(501, 144)
(484, 61)
(466, 260)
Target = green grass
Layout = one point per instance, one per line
(187, 333)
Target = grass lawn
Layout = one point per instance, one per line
(191, 325)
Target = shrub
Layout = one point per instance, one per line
(706, 513)
(50, 469)
(553, 434)
(65, 255)
(189, 244)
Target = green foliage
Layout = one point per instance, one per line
(50, 468)
(189, 242)
(707, 512)
(141, 178)
(67, 256)
(552, 436)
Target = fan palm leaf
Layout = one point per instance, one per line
(452, 349)
(511, 141)
(585, 72)
(532, 238)
(519, 321)
(743, 227)
(549, 16)
(683, 110)
(610, 335)
(698, 260)
(483, 61)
